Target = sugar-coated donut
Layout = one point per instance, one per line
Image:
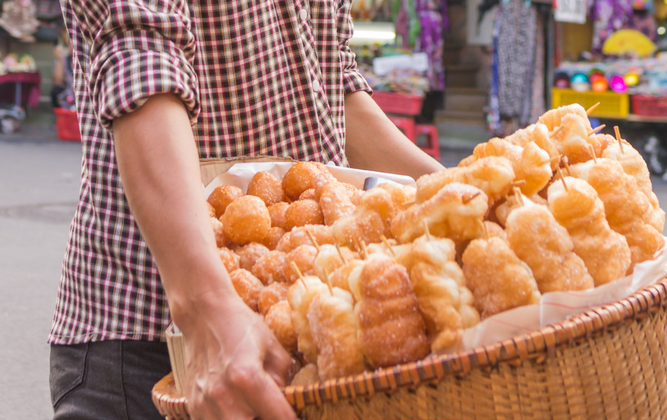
(223, 196)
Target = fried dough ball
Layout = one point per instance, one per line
(634, 165)
(553, 118)
(334, 328)
(627, 209)
(277, 213)
(538, 240)
(246, 220)
(309, 194)
(497, 278)
(211, 210)
(303, 256)
(265, 186)
(269, 267)
(539, 134)
(300, 295)
(284, 244)
(494, 230)
(456, 211)
(403, 196)
(272, 239)
(391, 328)
(493, 175)
(223, 196)
(341, 275)
(299, 236)
(219, 232)
(249, 254)
(370, 221)
(301, 213)
(306, 375)
(229, 259)
(279, 321)
(300, 177)
(573, 141)
(329, 259)
(577, 207)
(247, 286)
(270, 295)
(335, 201)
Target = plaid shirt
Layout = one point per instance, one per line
(258, 77)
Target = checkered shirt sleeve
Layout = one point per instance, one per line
(258, 78)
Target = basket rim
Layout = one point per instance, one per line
(538, 345)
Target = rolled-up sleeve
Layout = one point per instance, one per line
(353, 80)
(138, 49)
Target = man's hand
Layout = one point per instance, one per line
(238, 373)
(235, 365)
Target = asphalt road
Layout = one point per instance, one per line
(39, 183)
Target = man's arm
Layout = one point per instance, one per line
(373, 141)
(234, 364)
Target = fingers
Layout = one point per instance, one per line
(268, 401)
(277, 363)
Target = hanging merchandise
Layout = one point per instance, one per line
(608, 16)
(492, 112)
(18, 18)
(516, 58)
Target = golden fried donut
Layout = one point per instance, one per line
(249, 254)
(269, 267)
(303, 256)
(299, 178)
(247, 286)
(265, 186)
(309, 194)
(277, 213)
(270, 295)
(211, 210)
(229, 259)
(272, 238)
(303, 212)
(219, 232)
(246, 220)
(222, 196)
(279, 321)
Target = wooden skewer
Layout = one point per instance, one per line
(595, 130)
(519, 197)
(566, 162)
(590, 147)
(313, 240)
(295, 267)
(486, 231)
(328, 282)
(556, 130)
(618, 137)
(428, 234)
(388, 245)
(591, 109)
(340, 254)
(519, 182)
(364, 249)
(409, 203)
(357, 246)
(466, 200)
(562, 178)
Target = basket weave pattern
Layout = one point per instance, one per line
(608, 362)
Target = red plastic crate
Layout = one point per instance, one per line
(399, 103)
(649, 106)
(67, 124)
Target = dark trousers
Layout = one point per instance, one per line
(107, 380)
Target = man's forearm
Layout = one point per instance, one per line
(373, 141)
(159, 168)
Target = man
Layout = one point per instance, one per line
(161, 84)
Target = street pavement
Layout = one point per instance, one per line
(39, 183)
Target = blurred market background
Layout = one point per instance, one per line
(451, 74)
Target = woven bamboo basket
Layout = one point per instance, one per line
(608, 362)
